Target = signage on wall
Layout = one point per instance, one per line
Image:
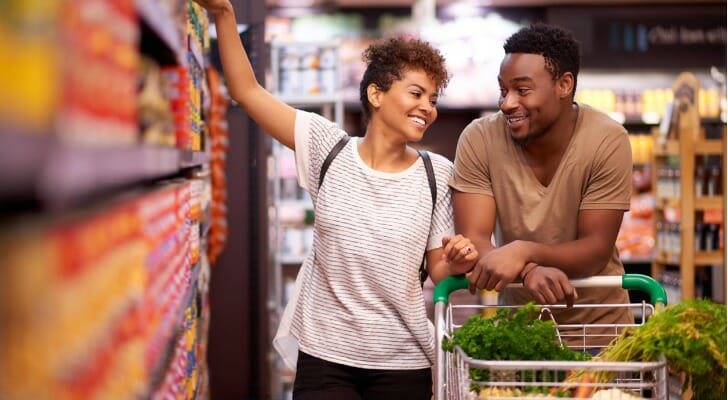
(657, 37)
(644, 43)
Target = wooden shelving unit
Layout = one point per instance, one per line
(685, 140)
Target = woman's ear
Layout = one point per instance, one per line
(374, 95)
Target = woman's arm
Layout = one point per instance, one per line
(274, 117)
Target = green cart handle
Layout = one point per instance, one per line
(640, 282)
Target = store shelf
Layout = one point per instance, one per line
(701, 203)
(682, 219)
(196, 52)
(701, 146)
(95, 208)
(164, 25)
(22, 156)
(59, 174)
(700, 259)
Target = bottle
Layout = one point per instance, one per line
(660, 233)
(670, 182)
(699, 231)
(714, 181)
(676, 183)
(699, 181)
(711, 235)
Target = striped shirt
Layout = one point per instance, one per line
(358, 299)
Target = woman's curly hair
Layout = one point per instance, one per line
(557, 46)
(388, 59)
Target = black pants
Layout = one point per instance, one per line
(317, 379)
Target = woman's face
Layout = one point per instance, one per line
(409, 106)
(529, 98)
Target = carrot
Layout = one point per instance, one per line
(585, 389)
(569, 376)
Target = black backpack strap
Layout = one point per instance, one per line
(433, 191)
(330, 157)
(430, 176)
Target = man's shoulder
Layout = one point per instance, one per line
(486, 126)
(596, 118)
(488, 121)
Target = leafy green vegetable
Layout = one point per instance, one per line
(692, 337)
(514, 336)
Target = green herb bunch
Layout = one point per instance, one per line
(692, 337)
(511, 336)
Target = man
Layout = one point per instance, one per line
(550, 178)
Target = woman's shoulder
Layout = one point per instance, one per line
(442, 166)
(440, 160)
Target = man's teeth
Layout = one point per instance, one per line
(516, 119)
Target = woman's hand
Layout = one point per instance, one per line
(215, 6)
(459, 253)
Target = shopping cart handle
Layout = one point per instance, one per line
(447, 286)
(639, 282)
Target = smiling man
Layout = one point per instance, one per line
(549, 178)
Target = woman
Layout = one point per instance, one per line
(356, 326)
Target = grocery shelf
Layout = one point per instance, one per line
(197, 53)
(700, 259)
(164, 25)
(58, 174)
(680, 208)
(21, 156)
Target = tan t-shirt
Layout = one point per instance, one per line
(594, 173)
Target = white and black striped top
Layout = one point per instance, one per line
(358, 299)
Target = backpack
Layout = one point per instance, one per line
(430, 179)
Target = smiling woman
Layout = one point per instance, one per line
(356, 315)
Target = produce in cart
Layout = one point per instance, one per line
(519, 354)
(691, 335)
(513, 334)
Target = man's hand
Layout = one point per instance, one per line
(497, 268)
(549, 285)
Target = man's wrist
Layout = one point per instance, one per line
(526, 270)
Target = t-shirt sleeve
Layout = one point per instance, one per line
(472, 172)
(301, 137)
(610, 182)
(314, 136)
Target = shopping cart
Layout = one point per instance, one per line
(511, 379)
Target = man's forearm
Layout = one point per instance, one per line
(578, 259)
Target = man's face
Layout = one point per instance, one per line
(528, 96)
